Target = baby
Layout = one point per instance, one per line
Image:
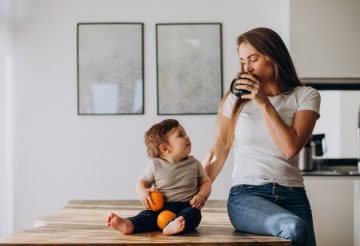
(179, 176)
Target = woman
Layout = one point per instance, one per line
(266, 129)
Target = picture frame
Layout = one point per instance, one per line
(110, 68)
(189, 68)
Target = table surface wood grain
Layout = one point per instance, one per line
(85, 222)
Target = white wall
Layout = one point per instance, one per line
(61, 156)
(339, 121)
(330, 124)
(6, 111)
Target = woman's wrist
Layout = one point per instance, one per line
(264, 104)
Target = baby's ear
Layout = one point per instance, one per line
(163, 148)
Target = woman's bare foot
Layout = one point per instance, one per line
(120, 224)
(175, 226)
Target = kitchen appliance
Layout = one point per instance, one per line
(318, 148)
(358, 140)
(311, 157)
(305, 158)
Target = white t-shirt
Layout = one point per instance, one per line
(257, 159)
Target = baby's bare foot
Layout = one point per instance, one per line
(175, 226)
(120, 224)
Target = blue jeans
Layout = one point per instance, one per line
(272, 209)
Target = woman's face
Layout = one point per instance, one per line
(256, 63)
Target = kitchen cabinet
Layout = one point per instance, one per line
(325, 37)
(335, 208)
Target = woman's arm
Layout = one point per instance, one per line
(292, 139)
(215, 159)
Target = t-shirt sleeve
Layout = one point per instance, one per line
(148, 174)
(310, 100)
(228, 105)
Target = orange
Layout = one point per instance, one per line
(158, 200)
(164, 218)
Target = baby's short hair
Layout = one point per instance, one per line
(156, 135)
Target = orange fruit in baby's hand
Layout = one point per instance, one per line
(164, 218)
(158, 200)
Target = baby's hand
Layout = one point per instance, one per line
(145, 198)
(198, 201)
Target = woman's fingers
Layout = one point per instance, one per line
(250, 77)
(243, 82)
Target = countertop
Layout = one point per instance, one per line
(336, 167)
(85, 223)
(349, 173)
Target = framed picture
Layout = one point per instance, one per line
(110, 68)
(189, 68)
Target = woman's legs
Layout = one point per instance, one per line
(295, 200)
(266, 209)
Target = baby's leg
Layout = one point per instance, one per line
(120, 224)
(175, 226)
(192, 218)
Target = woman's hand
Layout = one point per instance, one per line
(250, 83)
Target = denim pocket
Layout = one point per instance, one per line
(299, 190)
(296, 191)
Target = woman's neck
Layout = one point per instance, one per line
(271, 88)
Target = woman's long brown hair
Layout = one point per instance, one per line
(270, 44)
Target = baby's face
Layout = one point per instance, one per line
(179, 142)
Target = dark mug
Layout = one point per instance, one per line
(238, 92)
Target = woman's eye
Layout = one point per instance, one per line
(254, 60)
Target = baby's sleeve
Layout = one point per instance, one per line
(148, 174)
(201, 172)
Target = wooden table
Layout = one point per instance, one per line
(85, 222)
